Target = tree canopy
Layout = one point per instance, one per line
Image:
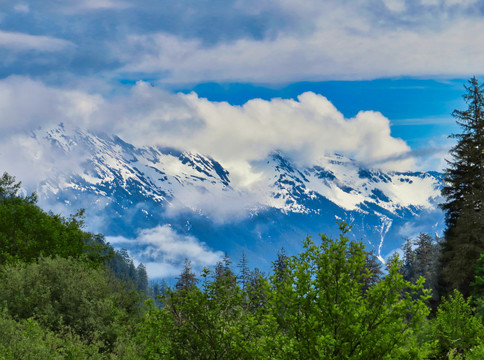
(464, 195)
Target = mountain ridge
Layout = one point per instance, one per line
(128, 189)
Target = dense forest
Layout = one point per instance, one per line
(67, 294)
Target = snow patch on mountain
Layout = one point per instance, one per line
(348, 185)
(181, 180)
(135, 193)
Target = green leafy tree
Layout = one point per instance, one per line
(8, 186)
(322, 310)
(151, 338)
(27, 232)
(455, 328)
(210, 322)
(464, 195)
(64, 293)
(478, 287)
(26, 339)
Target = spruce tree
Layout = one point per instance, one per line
(244, 274)
(187, 279)
(464, 195)
(142, 278)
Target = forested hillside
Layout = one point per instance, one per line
(67, 294)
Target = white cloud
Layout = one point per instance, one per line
(20, 42)
(459, 2)
(336, 48)
(26, 105)
(221, 206)
(306, 128)
(162, 250)
(74, 6)
(395, 5)
(22, 8)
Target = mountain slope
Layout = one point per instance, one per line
(127, 190)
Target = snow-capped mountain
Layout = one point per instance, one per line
(127, 189)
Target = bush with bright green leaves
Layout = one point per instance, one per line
(67, 294)
(319, 304)
(455, 328)
(28, 340)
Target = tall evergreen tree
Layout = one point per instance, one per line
(187, 279)
(142, 278)
(464, 194)
(244, 274)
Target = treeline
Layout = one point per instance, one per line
(66, 294)
(331, 301)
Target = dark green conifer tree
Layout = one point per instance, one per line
(187, 279)
(464, 196)
(142, 278)
(244, 274)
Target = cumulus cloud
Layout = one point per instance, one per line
(26, 104)
(306, 128)
(162, 250)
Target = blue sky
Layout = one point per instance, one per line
(406, 60)
(375, 80)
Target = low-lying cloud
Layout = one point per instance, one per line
(305, 128)
(162, 250)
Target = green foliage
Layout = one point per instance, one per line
(141, 278)
(153, 338)
(8, 187)
(455, 327)
(27, 340)
(63, 293)
(331, 301)
(323, 303)
(244, 274)
(420, 259)
(323, 311)
(476, 353)
(27, 232)
(478, 287)
(187, 279)
(464, 194)
(211, 323)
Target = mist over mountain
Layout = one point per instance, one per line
(165, 204)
